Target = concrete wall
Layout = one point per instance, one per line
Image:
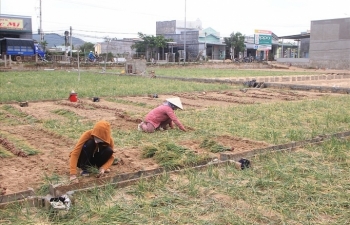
(299, 62)
(330, 44)
(121, 48)
(166, 27)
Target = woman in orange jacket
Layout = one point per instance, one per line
(94, 148)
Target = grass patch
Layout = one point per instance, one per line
(19, 144)
(72, 128)
(305, 186)
(224, 72)
(213, 146)
(45, 85)
(274, 123)
(172, 156)
(67, 114)
(47, 181)
(93, 170)
(4, 153)
(13, 116)
(12, 110)
(126, 102)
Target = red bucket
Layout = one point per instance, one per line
(73, 97)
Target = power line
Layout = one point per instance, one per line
(101, 32)
(108, 7)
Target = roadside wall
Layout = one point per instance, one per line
(298, 62)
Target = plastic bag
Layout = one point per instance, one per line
(61, 203)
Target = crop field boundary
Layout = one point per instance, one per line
(126, 179)
(241, 81)
(273, 81)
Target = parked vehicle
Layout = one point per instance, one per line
(21, 49)
(248, 59)
(40, 52)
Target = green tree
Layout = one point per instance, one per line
(236, 42)
(110, 57)
(44, 44)
(150, 43)
(87, 47)
(161, 42)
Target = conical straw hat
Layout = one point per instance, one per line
(175, 101)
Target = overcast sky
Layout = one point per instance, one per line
(120, 19)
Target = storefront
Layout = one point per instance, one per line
(13, 26)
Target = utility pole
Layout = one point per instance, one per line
(108, 41)
(205, 40)
(71, 45)
(66, 33)
(185, 36)
(41, 26)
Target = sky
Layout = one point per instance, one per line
(92, 19)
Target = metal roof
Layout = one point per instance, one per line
(296, 36)
(14, 16)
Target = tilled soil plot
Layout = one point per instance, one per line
(21, 171)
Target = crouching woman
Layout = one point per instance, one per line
(162, 117)
(93, 149)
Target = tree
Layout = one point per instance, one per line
(110, 56)
(145, 45)
(87, 47)
(161, 42)
(236, 42)
(44, 44)
(149, 43)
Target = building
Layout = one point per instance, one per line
(300, 48)
(330, 43)
(261, 52)
(13, 26)
(119, 48)
(327, 45)
(199, 43)
(214, 48)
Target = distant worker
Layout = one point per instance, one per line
(162, 116)
(91, 57)
(93, 149)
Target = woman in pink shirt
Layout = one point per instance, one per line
(162, 116)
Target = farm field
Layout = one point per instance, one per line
(40, 127)
(35, 140)
(49, 127)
